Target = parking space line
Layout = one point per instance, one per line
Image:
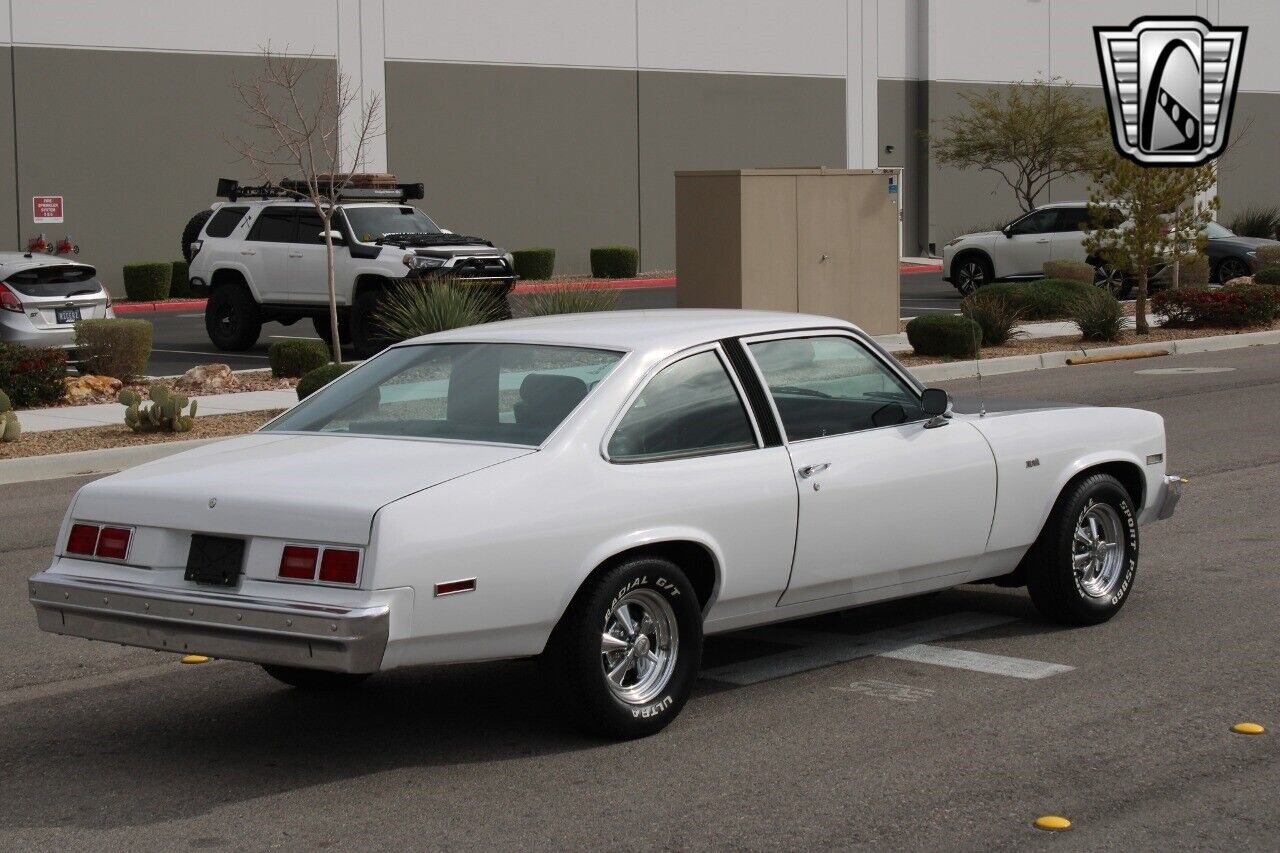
(978, 661)
(820, 649)
(199, 352)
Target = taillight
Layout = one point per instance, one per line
(113, 543)
(299, 562)
(9, 300)
(339, 565)
(83, 539)
(195, 247)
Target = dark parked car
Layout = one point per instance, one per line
(1231, 256)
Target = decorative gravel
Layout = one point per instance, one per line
(96, 438)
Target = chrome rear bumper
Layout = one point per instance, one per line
(1172, 494)
(217, 624)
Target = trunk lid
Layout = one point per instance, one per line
(306, 487)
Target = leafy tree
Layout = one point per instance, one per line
(1028, 135)
(1167, 209)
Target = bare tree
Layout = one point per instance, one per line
(298, 107)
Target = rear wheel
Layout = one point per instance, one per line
(626, 654)
(1112, 280)
(1082, 567)
(970, 273)
(232, 318)
(314, 679)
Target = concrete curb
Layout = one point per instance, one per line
(1041, 361)
(105, 461)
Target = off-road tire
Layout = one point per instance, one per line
(574, 661)
(321, 325)
(232, 318)
(1060, 592)
(314, 679)
(192, 232)
(366, 338)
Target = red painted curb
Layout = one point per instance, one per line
(914, 268)
(147, 307)
(597, 284)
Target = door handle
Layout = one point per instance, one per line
(248, 252)
(809, 470)
(1045, 240)
(295, 254)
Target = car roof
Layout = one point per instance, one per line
(1053, 204)
(652, 331)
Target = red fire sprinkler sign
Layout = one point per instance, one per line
(46, 209)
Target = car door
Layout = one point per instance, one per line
(308, 281)
(1066, 240)
(886, 498)
(265, 252)
(1027, 244)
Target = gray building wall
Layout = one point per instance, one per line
(134, 140)
(10, 237)
(1249, 172)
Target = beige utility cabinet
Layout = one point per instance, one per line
(818, 241)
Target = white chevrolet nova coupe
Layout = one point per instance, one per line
(600, 490)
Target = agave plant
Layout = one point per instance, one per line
(415, 307)
(1256, 222)
(564, 299)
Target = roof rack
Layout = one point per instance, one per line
(231, 190)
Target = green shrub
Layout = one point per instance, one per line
(1046, 299)
(1193, 271)
(1256, 222)
(297, 357)
(1235, 307)
(1268, 256)
(1069, 270)
(10, 426)
(615, 261)
(1099, 316)
(534, 264)
(995, 314)
(320, 377)
(163, 415)
(180, 281)
(945, 335)
(119, 348)
(415, 307)
(1267, 275)
(32, 376)
(564, 299)
(5, 405)
(148, 281)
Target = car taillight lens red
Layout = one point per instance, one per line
(83, 539)
(339, 565)
(9, 300)
(299, 562)
(113, 543)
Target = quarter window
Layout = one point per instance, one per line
(222, 223)
(690, 408)
(832, 385)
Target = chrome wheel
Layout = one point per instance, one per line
(639, 645)
(970, 276)
(1097, 550)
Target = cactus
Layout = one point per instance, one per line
(163, 415)
(10, 428)
(5, 405)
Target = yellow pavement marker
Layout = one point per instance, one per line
(1052, 823)
(1248, 729)
(195, 659)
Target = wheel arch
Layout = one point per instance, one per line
(972, 252)
(367, 281)
(229, 276)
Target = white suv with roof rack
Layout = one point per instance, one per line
(260, 257)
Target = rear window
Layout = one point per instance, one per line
(225, 221)
(55, 280)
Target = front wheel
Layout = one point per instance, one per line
(626, 654)
(367, 337)
(1082, 567)
(1112, 280)
(971, 273)
(1231, 268)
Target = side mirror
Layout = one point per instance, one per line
(1007, 232)
(934, 401)
(335, 236)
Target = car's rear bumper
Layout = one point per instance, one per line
(217, 624)
(1172, 493)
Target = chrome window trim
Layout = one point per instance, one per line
(697, 349)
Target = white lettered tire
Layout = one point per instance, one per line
(625, 656)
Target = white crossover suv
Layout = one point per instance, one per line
(260, 256)
(1019, 250)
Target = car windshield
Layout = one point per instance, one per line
(488, 392)
(1214, 231)
(370, 223)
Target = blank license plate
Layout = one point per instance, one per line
(214, 560)
(67, 315)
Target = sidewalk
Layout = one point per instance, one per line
(898, 342)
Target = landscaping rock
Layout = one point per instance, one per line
(1244, 279)
(90, 389)
(207, 377)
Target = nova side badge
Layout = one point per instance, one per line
(1170, 85)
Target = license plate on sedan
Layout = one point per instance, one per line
(214, 560)
(67, 315)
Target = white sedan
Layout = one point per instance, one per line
(600, 490)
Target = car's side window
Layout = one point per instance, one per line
(831, 385)
(1039, 222)
(275, 226)
(222, 223)
(310, 227)
(690, 408)
(1072, 219)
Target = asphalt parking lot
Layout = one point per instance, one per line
(179, 340)
(943, 723)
